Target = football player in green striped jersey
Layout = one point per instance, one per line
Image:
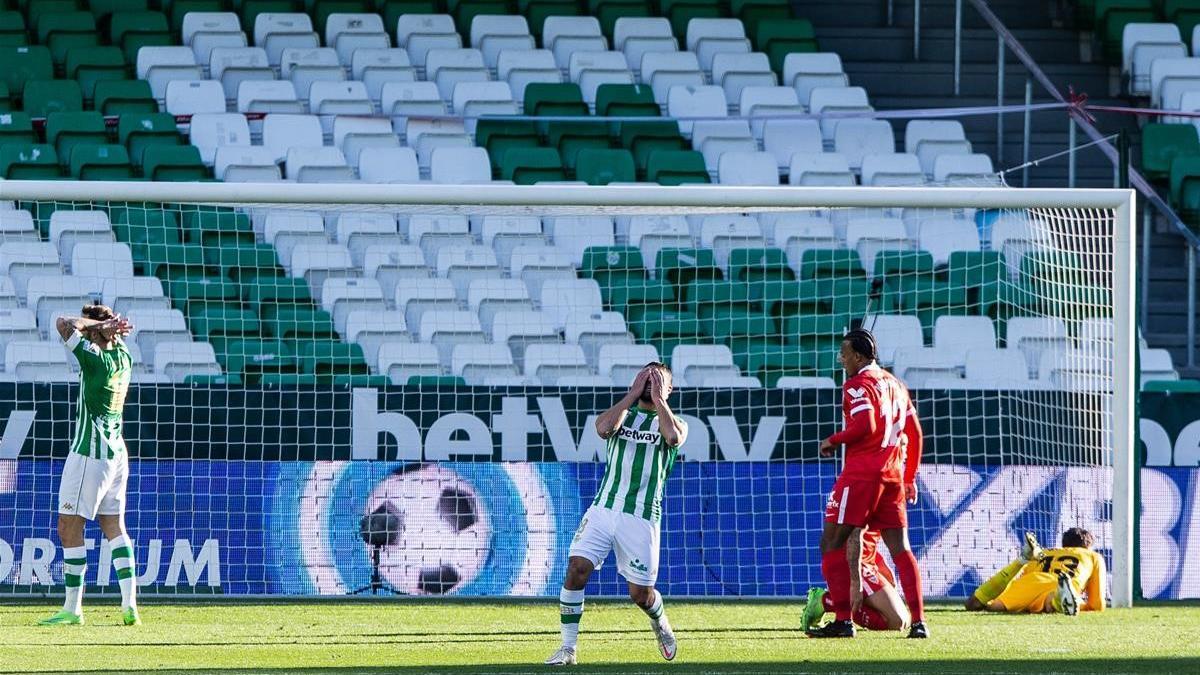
(93, 481)
(643, 437)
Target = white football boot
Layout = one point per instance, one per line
(1068, 602)
(666, 638)
(1031, 550)
(565, 656)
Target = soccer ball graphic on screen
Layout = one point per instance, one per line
(440, 535)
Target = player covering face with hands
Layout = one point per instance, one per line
(97, 468)
(642, 438)
(883, 440)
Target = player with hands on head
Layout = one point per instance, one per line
(93, 481)
(643, 436)
(883, 440)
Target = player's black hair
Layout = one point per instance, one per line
(1078, 537)
(97, 311)
(658, 364)
(862, 342)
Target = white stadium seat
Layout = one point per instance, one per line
(17, 225)
(204, 31)
(622, 362)
(388, 165)
(421, 33)
(231, 66)
(917, 365)
(493, 34)
(837, 99)
(402, 360)
(317, 165)
(354, 135)
(736, 71)
(891, 169)
(691, 364)
(177, 360)
(415, 296)
(340, 296)
(370, 329)
(927, 139)
(305, 66)
(124, 294)
(448, 67)
(565, 35)
(162, 65)
(747, 168)
(17, 325)
(575, 234)
(549, 363)
(102, 261)
(856, 138)
(521, 68)
(268, 96)
(591, 69)
(276, 32)
(895, 331)
(564, 299)
(460, 165)
(955, 335)
(486, 297)
(246, 164)
(825, 169)
(191, 97)
(210, 131)
(786, 138)
(476, 362)
(38, 361)
(710, 37)
(348, 33)
(664, 70)
(21, 260)
(634, 37)
(376, 67)
(805, 72)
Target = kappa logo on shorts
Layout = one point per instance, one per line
(579, 531)
(68, 506)
(638, 565)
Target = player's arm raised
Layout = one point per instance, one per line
(860, 424)
(68, 325)
(610, 420)
(673, 433)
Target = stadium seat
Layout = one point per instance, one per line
(177, 360)
(826, 169)
(477, 362)
(117, 97)
(190, 97)
(341, 296)
(973, 170)
(162, 65)
(276, 32)
(463, 264)
(402, 360)
(551, 363)
(65, 130)
(139, 132)
(855, 138)
(734, 72)
(233, 66)
(282, 132)
(253, 164)
(133, 293)
(91, 65)
(836, 99)
(421, 33)
(205, 31)
(415, 296)
(622, 362)
(42, 97)
(35, 361)
(306, 66)
(17, 325)
(928, 139)
(17, 225)
(505, 233)
(635, 37)
(807, 71)
(348, 32)
(68, 228)
(376, 67)
(590, 70)
(520, 68)
(747, 168)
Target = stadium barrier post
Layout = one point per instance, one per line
(916, 30)
(1070, 151)
(1025, 133)
(1191, 303)
(957, 45)
(999, 100)
(1144, 272)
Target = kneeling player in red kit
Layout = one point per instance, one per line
(883, 440)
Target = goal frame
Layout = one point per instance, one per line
(728, 198)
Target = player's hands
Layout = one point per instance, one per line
(910, 492)
(856, 597)
(639, 383)
(118, 325)
(658, 386)
(827, 448)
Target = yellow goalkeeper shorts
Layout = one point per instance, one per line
(1029, 592)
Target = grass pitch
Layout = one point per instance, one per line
(471, 637)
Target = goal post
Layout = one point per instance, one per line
(1104, 246)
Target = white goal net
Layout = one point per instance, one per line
(352, 388)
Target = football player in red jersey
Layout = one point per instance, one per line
(882, 608)
(883, 440)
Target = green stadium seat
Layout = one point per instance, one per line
(42, 97)
(497, 136)
(250, 9)
(28, 161)
(321, 10)
(1184, 180)
(769, 362)
(626, 100)
(681, 266)
(608, 11)
(537, 11)
(276, 289)
(657, 325)
(1162, 142)
(102, 9)
(359, 380)
(245, 262)
(645, 138)
(759, 265)
(100, 162)
(288, 380)
(785, 298)
(325, 359)
(138, 226)
(845, 295)
(136, 29)
(1063, 287)
(66, 31)
(224, 322)
(90, 65)
(119, 97)
(554, 99)
(225, 379)
(171, 261)
(6, 103)
(435, 381)
(22, 64)
(980, 274)
(601, 167)
(753, 12)
(826, 263)
(680, 13)
(1110, 17)
(818, 334)
(297, 322)
(12, 29)
(173, 163)
(66, 130)
(213, 227)
(621, 274)
(729, 310)
(177, 9)
(676, 167)
(140, 131)
(1183, 13)
(16, 127)
(253, 358)
(782, 37)
(467, 10)
(526, 166)
(392, 9)
(1172, 386)
(196, 295)
(573, 137)
(37, 10)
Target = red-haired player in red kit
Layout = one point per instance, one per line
(883, 440)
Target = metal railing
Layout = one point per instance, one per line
(1005, 42)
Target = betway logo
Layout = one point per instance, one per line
(455, 435)
(33, 559)
(639, 436)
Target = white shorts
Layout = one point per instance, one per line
(634, 539)
(93, 486)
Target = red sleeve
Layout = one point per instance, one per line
(916, 443)
(859, 426)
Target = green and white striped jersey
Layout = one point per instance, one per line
(103, 383)
(639, 462)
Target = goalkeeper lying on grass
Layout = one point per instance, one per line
(1069, 579)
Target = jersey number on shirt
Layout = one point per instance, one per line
(894, 411)
(1067, 564)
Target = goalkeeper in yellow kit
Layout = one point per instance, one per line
(1067, 580)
